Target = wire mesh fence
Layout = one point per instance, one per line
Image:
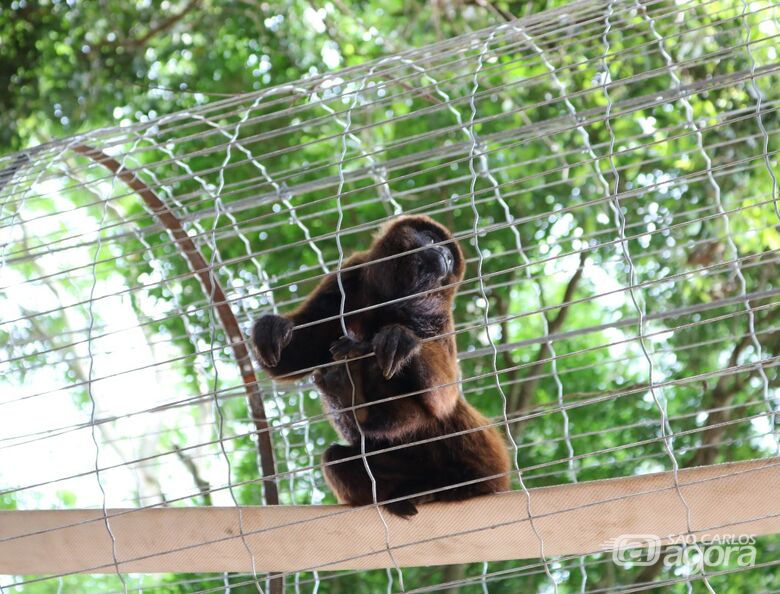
(609, 169)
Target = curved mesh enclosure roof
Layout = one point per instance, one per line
(610, 171)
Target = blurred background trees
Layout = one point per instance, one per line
(699, 243)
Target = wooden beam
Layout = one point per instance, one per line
(737, 498)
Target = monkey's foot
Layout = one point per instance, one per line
(347, 347)
(333, 382)
(403, 509)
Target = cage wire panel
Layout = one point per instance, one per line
(610, 170)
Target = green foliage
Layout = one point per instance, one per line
(78, 66)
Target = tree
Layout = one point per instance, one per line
(255, 184)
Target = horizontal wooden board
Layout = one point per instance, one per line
(737, 498)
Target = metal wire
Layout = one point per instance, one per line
(216, 170)
(590, 349)
(523, 139)
(539, 311)
(261, 96)
(461, 236)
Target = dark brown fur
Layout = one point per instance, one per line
(404, 363)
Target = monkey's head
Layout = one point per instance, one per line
(435, 259)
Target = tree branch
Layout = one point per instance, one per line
(452, 577)
(8, 173)
(227, 319)
(213, 291)
(163, 25)
(520, 400)
(496, 10)
(720, 398)
(335, 37)
(204, 487)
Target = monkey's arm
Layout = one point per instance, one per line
(286, 351)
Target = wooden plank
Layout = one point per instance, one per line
(737, 498)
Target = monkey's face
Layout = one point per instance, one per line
(433, 258)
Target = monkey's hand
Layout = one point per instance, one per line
(270, 335)
(347, 347)
(394, 345)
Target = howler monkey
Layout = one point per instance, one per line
(415, 354)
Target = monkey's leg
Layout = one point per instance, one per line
(345, 472)
(471, 465)
(351, 390)
(482, 487)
